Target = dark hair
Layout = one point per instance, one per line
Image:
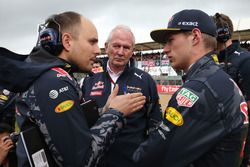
(5, 128)
(50, 33)
(99, 61)
(223, 21)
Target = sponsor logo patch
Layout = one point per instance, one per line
(53, 94)
(96, 93)
(173, 116)
(243, 109)
(64, 106)
(186, 98)
(3, 97)
(64, 89)
(188, 23)
(61, 73)
(98, 85)
(6, 92)
(132, 89)
(138, 75)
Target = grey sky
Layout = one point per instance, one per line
(19, 18)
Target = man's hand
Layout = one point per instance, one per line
(111, 96)
(128, 103)
(5, 145)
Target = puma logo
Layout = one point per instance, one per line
(140, 76)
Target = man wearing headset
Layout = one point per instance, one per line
(236, 62)
(51, 97)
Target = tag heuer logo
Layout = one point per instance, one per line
(186, 98)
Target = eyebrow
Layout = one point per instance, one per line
(94, 40)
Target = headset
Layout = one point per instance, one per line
(223, 33)
(50, 35)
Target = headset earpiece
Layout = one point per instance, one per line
(50, 37)
(223, 33)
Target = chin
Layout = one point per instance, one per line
(86, 70)
(119, 64)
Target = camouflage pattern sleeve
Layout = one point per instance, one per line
(104, 133)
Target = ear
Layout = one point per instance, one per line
(106, 46)
(196, 36)
(66, 41)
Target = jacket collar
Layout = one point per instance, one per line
(228, 51)
(196, 67)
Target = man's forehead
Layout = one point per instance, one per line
(169, 35)
(88, 26)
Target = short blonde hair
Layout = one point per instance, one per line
(210, 42)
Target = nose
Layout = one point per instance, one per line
(120, 51)
(97, 50)
(166, 48)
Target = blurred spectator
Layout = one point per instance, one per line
(97, 66)
(7, 152)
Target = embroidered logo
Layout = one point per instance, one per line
(186, 98)
(6, 92)
(173, 116)
(53, 94)
(64, 106)
(243, 109)
(64, 89)
(139, 76)
(132, 89)
(96, 93)
(98, 85)
(3, 97)
(61, 73)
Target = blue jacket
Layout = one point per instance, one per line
(238, 61)
(204, 125)
(98, 87)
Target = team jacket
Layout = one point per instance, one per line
(51, 101)
(98, 87)
(238, 61)
(204, 124)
